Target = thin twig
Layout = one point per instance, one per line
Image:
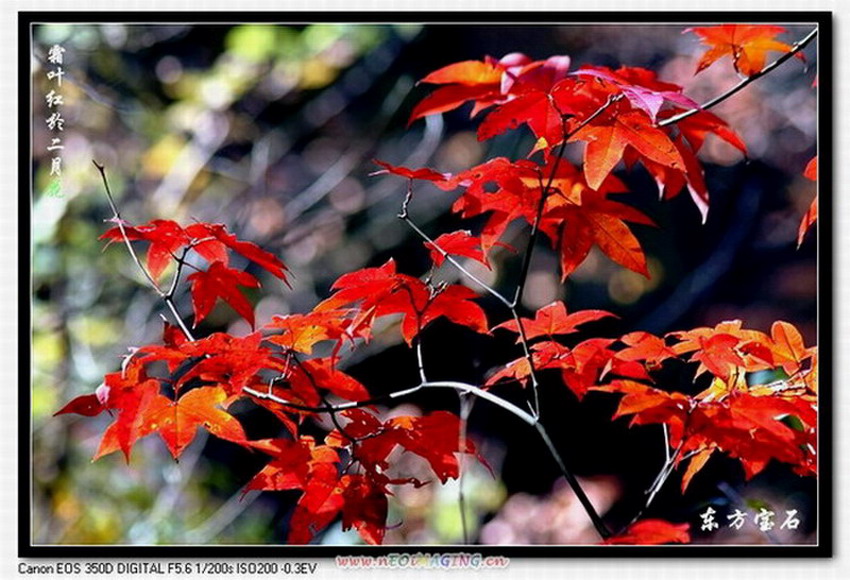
(523, 338)
(404, 215)
(660, 479)
(670, 464)
(167, 297)
(331, 410)
(181, 261)
(420, 362)
(116, 216)
(448, 257)
(533, 418)
(797, 47)
(268, 396)
(535, 407)
(486, 395)
(466, 403)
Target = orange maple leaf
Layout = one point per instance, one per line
(747, 44)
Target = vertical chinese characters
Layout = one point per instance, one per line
(55, 122)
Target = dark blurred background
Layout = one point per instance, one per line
(271, 129)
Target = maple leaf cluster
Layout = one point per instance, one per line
(738, 414)
(203, 378)
(761, 400)
(211, 242)
(618, 114)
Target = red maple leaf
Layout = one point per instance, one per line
(459, 243)
(131, 423)
(128, 393)
(696, 463)
(309, 467)
(537, 109)
(465, 81)
(382, 291)
(811, 171)
(575, 228)
(301, 332)
(750, 428)
(727, 346)
(575, 217)
(222, 359)
(620, 127)
(644, 346)
(321, 373)
(165, 236)
(494, 82)
(365, 507)
(787, 347)
(641, 87)
(210, 241)
(507, 190)
(553, 319)
(176, 422)
(289, 468)
(434, 437)
(87, 405)
(211, 233)
(650, 405)
(219, 281)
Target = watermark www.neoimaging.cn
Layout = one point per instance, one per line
(447, 561)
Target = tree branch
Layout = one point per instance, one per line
(482, 394)
(545, 191)
(600, 526)
(532, 242)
